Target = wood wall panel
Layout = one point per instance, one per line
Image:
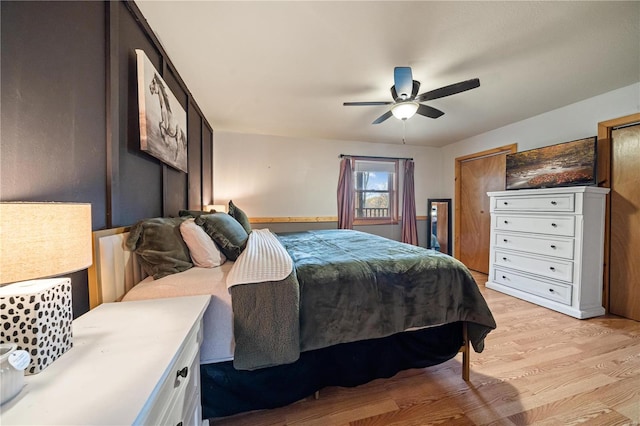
(53, 115)
(69, 122)
(207, 164)
(140, 175)
(195, 158)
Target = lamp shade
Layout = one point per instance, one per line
(39, 240)
(404, 110)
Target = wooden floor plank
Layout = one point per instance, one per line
(538, 367)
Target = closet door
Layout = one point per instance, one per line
(477, 177)
(624, 293)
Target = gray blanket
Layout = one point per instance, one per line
(353, 286)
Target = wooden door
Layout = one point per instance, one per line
(476, 175)
(624, 263)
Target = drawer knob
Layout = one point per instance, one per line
(554, 225)
(504, 258)
(506, 221)
(554, 203)
(551, 290)
(552, 268)
(179, 424)
(504, 277)
(183, 372)
(505, 240)
(553, 246)
(505, 203)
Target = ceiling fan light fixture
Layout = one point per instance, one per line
(404, 110)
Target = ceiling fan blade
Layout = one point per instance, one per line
(366, 103)
(414, 90)
(382, 117)
(403, 81)
(449, 90)
(428, 111)
(394, 93)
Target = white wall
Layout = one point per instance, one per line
(273, 176)
(575, 121)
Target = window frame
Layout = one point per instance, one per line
(393, 190)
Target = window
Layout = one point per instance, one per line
(376, 191)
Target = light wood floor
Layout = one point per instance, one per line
(539, 367)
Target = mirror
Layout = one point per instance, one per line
(439, 224)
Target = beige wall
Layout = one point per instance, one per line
(575, 121)
(271, 176)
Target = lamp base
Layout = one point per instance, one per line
(37, 316)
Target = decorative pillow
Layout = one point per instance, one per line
(240, 216)
(159, 246)
(202, 249)
(193, 213)
(226, 232)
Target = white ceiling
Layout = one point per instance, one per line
(285, 68)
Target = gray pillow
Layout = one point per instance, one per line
(240, 216)
(159, 246)
(226, 232)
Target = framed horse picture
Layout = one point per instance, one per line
(163, 121)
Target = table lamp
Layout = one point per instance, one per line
(40, 240)
(217, 207)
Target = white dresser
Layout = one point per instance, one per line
(131, 363)
(547, 247)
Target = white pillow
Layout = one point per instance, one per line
(204, 252)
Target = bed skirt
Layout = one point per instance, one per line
(227, 391)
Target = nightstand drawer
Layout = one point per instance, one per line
(169, 402)
(182, 409)
(557, 292)
(551, 268)
(557, 247)
(541, 203)
(552, 225)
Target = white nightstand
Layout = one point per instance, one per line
(131, 363)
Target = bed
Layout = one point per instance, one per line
(295, 312)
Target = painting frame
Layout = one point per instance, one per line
(162, 119)
(572, 163)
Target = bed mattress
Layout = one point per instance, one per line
(218, 343)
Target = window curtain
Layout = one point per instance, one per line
(345, 195)
(409, 224)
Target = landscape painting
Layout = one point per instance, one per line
(566, 164)
(163, 121)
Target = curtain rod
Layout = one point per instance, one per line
(376, 158)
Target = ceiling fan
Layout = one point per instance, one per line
(406, 101)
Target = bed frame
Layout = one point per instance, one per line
(115, 271)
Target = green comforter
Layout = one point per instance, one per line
(355, 286)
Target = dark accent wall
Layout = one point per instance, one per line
(69, 117)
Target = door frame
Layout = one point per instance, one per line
(509, 149)
(604, 179)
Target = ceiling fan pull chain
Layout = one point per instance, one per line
(404, 131)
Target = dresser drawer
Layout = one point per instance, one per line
(557, 292)
(557, 247)
(552, 225)
(552, 268)
(541, 203)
